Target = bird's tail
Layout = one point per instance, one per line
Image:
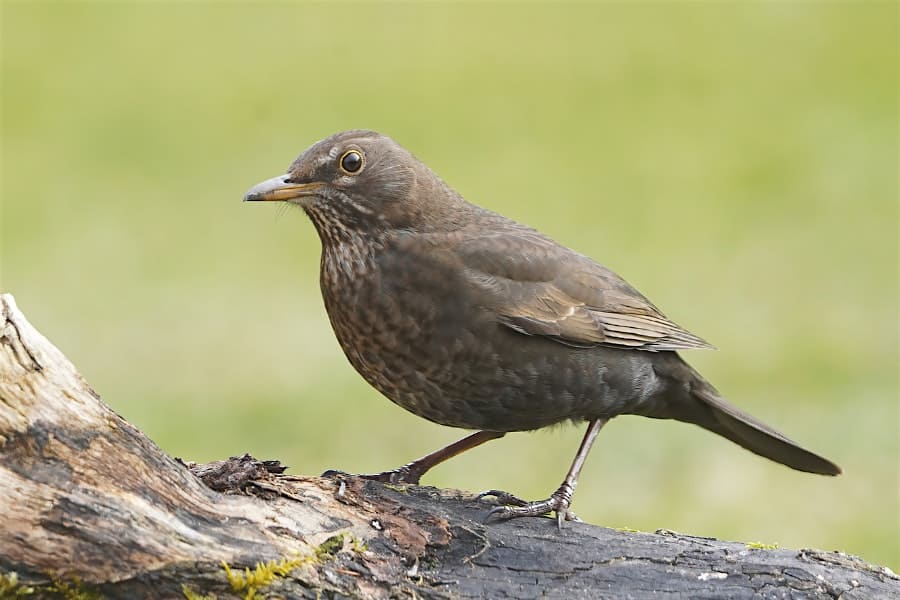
(706, 408)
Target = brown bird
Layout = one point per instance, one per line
(471, 320)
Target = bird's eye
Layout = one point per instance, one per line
(351, 161)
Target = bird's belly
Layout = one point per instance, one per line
(466, 370)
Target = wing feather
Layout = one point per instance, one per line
(538, 287)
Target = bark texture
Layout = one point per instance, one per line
(90, 507)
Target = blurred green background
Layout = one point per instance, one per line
(735, 162)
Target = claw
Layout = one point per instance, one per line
(513, 507)
(529, 509)
(398, 476)
(395, 476)
(502, 497)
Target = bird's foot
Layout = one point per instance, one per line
(513, 507)
(502, 497)
(400, 476)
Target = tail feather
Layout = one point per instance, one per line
(698, 402)
(757, 437)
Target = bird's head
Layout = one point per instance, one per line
(359, 181)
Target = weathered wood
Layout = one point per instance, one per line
(88, 503)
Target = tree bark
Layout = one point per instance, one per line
(89, 505)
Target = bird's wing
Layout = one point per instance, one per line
(538, 287)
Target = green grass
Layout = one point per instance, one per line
(736, 162)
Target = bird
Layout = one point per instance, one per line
(472, 320)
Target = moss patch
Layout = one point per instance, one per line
(248, 582)
(762, 546)
(11, 588)
(190, 594)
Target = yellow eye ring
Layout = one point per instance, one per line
(351, 162)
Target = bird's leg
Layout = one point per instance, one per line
(412, 472)
(560, 500)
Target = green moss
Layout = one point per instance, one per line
(73, 590)
(762, 546)
(627, 530)
(189, 594)
(335, 544)
(11, 588)
(397, 488)
(356, 544)
(330, 547)
(249, 582)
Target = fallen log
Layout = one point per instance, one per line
(92, 508)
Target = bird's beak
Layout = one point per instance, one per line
(280, 189)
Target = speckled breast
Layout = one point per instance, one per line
(413, 332)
